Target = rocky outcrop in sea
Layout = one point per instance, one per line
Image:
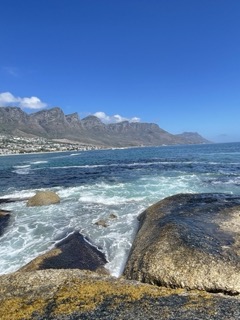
(187, 249)
(43, 198)
(189, 241)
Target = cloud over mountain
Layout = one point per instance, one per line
(114, 119)
(8, 99)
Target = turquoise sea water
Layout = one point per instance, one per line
(93, 185)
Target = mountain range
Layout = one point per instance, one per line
(54, 124)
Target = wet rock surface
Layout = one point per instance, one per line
(9, 200)
(74, 252)
(190, 241)
(77, 294)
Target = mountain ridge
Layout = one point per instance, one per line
(54, 124)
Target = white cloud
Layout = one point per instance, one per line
(102, 116)
(135, 119)
(8, 99)
(32, 103)
(113, 119)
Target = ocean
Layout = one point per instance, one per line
(111, 185)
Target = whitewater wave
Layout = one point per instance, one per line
(126, 183)
(23, 169)
(38, 162)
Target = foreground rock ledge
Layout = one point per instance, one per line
(190, 241)
(77, 294)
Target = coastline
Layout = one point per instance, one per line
(12, 145)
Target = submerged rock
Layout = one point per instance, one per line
(4, 220)
(105, 223)
(101, 223)
(43, 198)
(113, 216)
(190, 241)
(74, 252)
(77, 294)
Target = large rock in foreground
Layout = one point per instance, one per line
(190, 241)
(43, 198)
(74, 252)
(77, 294)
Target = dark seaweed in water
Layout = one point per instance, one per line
(4, 220)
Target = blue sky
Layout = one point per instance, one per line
(172, 62)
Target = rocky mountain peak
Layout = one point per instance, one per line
(73, 118)
(53, 123)
(192, 137)
(49, 115)
(12, 118)
(93, 122)
(12, 113)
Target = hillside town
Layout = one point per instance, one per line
(20, 145)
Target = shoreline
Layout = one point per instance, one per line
(83, 150)
(47, 152)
